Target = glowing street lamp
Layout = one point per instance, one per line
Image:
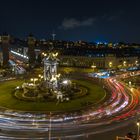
(136, 62)
(44, 54)
(41, 77)
(93, 66)
(54, 78)
(34, 80)
(65, 82)
(130, 83)
(55, 54)
(124, 63)
(58, 75)
(110, 64)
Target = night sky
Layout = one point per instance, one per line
(89, 20)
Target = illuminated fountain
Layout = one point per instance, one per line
(50, 74)
(51, 86)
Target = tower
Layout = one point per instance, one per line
(31, 50)
(5, 40)
(53, 36)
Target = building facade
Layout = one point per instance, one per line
(108, 61)
(31, 50)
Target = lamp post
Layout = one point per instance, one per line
(110, 64)
(34, 80)
(138, 130)
(130, 83)
(93, 66)
(136, 62)
(50, 126)
(40, 77)
(124, 63)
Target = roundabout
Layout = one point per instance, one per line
(122, 104)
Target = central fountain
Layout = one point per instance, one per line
(50, 86)
(50, 74)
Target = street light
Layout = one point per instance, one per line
(110, 64)
(55, 54)
(65, 82)
(93, 66)
(50, 126)
(138, 131)
(40, 77)
(136, 62)
(124, 63)
(34, 80)
(44, 54)
(130, 83)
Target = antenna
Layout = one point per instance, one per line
(53, 35)
(67, 45)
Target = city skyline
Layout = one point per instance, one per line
(106, 21)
